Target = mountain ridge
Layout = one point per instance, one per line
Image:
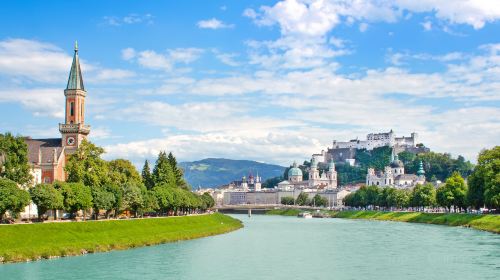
(214, 172)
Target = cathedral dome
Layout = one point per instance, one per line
(294, 171)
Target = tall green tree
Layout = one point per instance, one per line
(87, 166)
(423, 195)
(46, 197)
(14, 159)
(102, 199)
(456, 185)
(318, 200)
(12, 198)
(132, 198)
(76, 196)
(302, 199)
(484, 182)
(122, 171)
(178, 173)
(164, 196)
(208, 200)
(147, 177)
(163, 172)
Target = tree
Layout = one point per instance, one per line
(302, 199)
(444, 197)
(372, 195)
(12, 198)
(14, 159)
(178, 173)
(162, 172)
(87, 167)
(147, 177)
(438, 166)
(400, 199)
(132, 198)
(102, 199)
(208, 200)
(287, 200)
(76, 196)
(484, 182)
(46, 197)
(150, 201)
(423, 195)
(164, 197)
(387, 197)
(454, 192)
(272, 182)
(318, 200)
(122, 171)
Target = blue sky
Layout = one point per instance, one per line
(272, 81)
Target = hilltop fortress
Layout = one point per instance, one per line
(345, 151)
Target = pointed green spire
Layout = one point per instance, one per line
(75, 80)
(421, 171)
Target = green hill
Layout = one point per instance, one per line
(213, 172)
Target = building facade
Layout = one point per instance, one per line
(48, 157)
(394, 176)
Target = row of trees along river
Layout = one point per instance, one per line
(94, 184)
(481, 189)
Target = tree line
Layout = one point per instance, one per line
(304, 200)
(481, 190)
(107, 187)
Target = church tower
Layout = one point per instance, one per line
(74, 129)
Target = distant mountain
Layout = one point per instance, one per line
(213, 172)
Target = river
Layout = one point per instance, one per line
(274, 247)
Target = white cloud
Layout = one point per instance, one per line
(129, 19)
(213, 23)
(33, 61)
(227, 58)
(111, 75)
(185, 55)
(162, 61)
(128, 53)
(363, 26)
(40, 101)
(427, 25)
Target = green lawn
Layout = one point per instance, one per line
(482, 222)
(284, 212)
(34, 241)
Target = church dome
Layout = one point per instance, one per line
(397, 164)
(294, 171)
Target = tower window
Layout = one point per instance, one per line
(71, 109)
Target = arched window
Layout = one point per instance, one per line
(72, 109)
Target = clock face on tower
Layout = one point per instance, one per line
(70, 140)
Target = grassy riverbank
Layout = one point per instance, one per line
(36, 241)
(482, 222)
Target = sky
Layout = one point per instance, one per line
(272, 81)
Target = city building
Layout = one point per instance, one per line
(48, 157)
(327, 180)
(394, 175)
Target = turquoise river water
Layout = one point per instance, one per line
(274, 247)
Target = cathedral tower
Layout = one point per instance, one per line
(74, 129)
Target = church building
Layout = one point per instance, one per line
(48, 157)
(394, 175)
